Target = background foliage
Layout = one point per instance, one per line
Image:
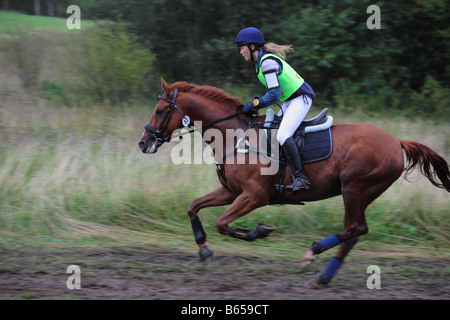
(403, 67)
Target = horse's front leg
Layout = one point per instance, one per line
(218, 197)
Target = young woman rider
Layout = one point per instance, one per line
(283, 83)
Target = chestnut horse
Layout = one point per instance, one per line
(365, 161)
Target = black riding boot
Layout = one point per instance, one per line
(293, 156)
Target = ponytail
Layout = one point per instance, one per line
(279, 50)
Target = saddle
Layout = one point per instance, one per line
(273, 121)
(313, 138)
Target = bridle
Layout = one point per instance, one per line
(158, 134)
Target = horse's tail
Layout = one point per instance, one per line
(432, 165)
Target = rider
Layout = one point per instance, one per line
(283, 83)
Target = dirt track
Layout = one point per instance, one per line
(138, 273)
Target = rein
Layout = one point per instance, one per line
(159, 133)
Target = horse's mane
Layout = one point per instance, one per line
(212, 93)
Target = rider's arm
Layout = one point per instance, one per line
(270, 69)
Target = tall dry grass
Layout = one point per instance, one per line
(77, 172)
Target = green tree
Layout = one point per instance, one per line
(336, 53)
(113, 65)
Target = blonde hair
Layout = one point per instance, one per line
(277, 49)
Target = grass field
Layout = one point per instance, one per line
(67, 167)
(11, 22)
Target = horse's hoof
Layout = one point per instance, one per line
(206, 254)
(314, 283)
(263, 230)
(308, 258)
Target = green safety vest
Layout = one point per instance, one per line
(289, 79)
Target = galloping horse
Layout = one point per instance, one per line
(365, 162)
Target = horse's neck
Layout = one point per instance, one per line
(210, 114)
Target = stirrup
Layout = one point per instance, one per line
(299, 184)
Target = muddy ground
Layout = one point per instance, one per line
(141, 273)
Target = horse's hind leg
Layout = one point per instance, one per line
(356, 199)
(355, 225)
(330, 270)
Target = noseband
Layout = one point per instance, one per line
(159, 133)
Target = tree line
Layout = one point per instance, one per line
(405, 64)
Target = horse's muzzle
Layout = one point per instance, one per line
(148, 145)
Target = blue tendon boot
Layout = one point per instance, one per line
(329, 272)
(327, 243)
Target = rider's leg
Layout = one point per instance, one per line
(294, 113)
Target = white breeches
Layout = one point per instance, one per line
(294, 112)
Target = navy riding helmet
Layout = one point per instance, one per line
(249, 36)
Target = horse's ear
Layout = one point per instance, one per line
(165, 85)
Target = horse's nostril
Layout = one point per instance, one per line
(141, 144)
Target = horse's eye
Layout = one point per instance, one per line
(158, 111)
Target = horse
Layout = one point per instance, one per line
(365, 162)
